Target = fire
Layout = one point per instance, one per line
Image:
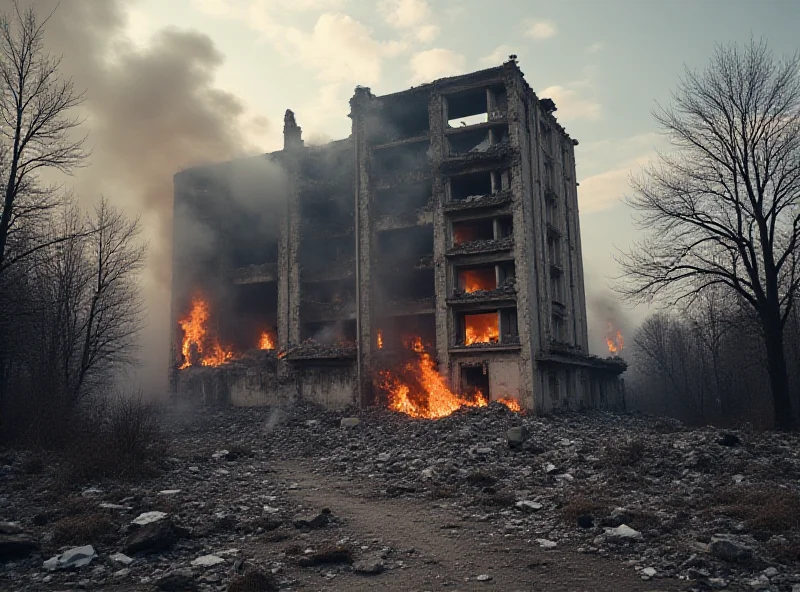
(481, 328)
(473, 280)
(267, 341)
(197, 343)
(418, 389)
(615, 343)
(380, 339)
(511, 403)
(463, 233)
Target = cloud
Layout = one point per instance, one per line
(432, 64)
(540, 29)
(414, 16)
(339, 47)
(498, 56)
(571, 105)
(606, 188)
(403, 14)
(596, 47)
(427, 33)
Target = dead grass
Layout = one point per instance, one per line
(626, 453)
(763, 509)
(582, 506)
(80, 529)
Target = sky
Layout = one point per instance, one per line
(176, 83)
(605, 63)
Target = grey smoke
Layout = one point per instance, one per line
(150, 113)
(604, 308)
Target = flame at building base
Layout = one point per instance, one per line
(418, 390)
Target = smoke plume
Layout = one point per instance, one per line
(606, 316)
(150, 112)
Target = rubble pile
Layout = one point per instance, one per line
(712, 509)
(716, 508)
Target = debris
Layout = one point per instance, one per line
(153, 537)
(207, 561)
(327, 556)
(148, 518)
(121, 558)
(623, 531)
(729, 550)
(350, 422)
(10, 528)
(547, 544)
(517, 436)
(369, 566)
(484, 578)
(528, 506)
(319, 521)
(71, 559)
(179, 580)
(254, 580)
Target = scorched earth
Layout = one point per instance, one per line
(297, 499)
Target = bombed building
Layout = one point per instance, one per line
(430, 260)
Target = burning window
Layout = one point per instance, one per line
(200, 346)
(469, 231)
(477, 279)
(475, 381)
(481, 328)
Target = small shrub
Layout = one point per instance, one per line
(766, 509)
(581, 506)
(625, 454)
(81, 530)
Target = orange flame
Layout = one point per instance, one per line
(380, 339)
(481, 328)
(615, 343)
(267, 341)
(473, 280)
(418, 389)
(209, 351)
(511, 403)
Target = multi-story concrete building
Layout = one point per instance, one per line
(449, 214)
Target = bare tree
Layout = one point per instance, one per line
(36, 129)
(724, 208)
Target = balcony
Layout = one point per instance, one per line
(483, 246)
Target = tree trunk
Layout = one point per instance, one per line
(778, 375)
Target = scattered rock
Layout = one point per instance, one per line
(623, 531)
(321, 520)
(547, 544)
(153, 537)
(327, 556)
(369, 566)
(349, 422)
(528, 506)
(207, 561)
(148, 518)
(121, 559)
(517, 436)
(71, 559)
(181, 580)
(729, 550)
(484, 578)
(10, 528)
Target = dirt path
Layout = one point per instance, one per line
(449, 552)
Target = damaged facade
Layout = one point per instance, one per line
(449, 216)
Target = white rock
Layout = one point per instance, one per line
(771, 572)
(169, 492)
(549, 468)
(428, 473)
(649, 572)
(271, 510)
(73, 558)
(220, 454)
(528, 506)
(623, 531)
(108, 506)
(547, 544)
(148, 518)
(484, 578)
(92, 491)
(384, 457)
(207, 561)
(121, 558)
